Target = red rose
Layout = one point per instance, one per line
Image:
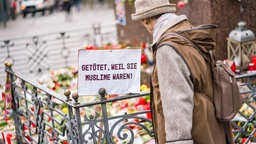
(143, 58)
(141, 101)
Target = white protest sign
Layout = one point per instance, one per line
(118, 71)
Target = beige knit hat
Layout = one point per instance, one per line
(149, 8)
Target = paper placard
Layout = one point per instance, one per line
(118, 71)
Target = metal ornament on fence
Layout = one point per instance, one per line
(7, 44)
(64, 52)
(37, 59)
(97, 35)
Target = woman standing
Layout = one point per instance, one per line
(181, 101)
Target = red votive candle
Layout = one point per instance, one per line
(233, 67)
(8, 138)
(254, 61)
(251, 66)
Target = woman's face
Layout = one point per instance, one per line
(149, 24)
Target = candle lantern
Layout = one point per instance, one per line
(241, 45)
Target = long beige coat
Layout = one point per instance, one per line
(182, 106)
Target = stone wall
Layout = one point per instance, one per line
(225, 13)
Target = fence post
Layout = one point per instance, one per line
(70, 134)
(78, 135)
(102, 93)
(9, 81)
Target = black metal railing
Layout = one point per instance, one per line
(43, 116)
(244, 123)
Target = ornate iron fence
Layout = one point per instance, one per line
(244, 123)
(35, 55)
(42, 116)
